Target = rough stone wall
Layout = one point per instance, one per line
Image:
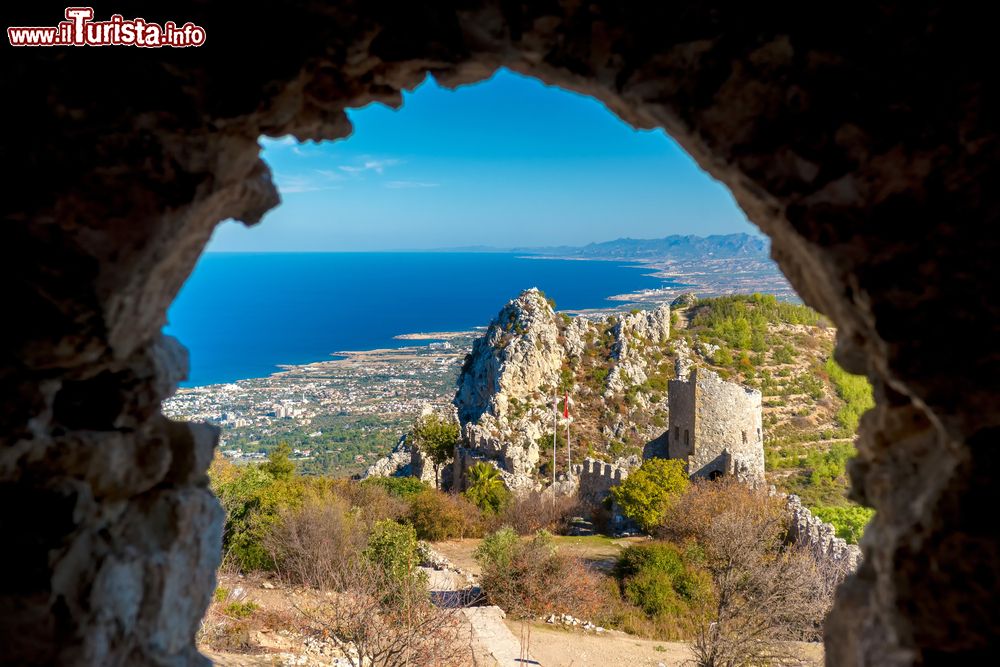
(725, 426)
(681, 413)
(595, 478)
(821, 539)
(863, 140)
(466, 457)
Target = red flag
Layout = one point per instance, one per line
(566, 407)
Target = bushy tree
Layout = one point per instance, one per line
(392, 547)
(436, 515)
(529, 577)
(253, 500)
(766, 592)
(647, 494)
(486, 488)
(318, 543)
(436, 437)
(279, 463)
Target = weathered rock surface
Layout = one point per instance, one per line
(632, 333)
(506, 385)
(394, 464)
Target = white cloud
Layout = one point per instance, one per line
(376, 165)
(411, 184)
(294, 183)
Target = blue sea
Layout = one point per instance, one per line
(240, 315)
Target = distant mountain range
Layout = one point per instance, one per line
(676, 246)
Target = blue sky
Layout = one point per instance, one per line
(504, 162)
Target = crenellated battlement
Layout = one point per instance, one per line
(596, 477)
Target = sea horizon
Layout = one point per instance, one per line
(248, 314)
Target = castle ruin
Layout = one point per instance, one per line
(716, 426)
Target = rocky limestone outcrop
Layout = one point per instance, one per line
(394, 464)
(646, 326)
(504, 390)
(632, 333)
(575, 336)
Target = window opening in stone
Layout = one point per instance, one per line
(415, 245)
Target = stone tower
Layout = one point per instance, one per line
(716, 426)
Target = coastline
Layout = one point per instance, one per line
(705, 277)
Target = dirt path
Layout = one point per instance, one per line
(559, 647)
(554, 647)
(495, 638)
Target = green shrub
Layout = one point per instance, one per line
(528, 578)
(849, 521)
(279, 463)
(854, 390)
(486, 488)
(497, 548)
(401, 487)
(565, 379)
(240, 608)
(647, 494)
(783, 354)
(658, 556)
(722, 357)
(252, 499)
(660, 578)
(392, 547)
(653, 592)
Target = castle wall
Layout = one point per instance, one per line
(839, 557)
(595, 479)
(717, 426)
(681, 418)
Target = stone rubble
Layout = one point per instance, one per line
(573, 622)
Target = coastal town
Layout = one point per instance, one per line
(334, 414)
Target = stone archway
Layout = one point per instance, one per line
(863, 142)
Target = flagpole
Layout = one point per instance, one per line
(555, 431)
(569, 449)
